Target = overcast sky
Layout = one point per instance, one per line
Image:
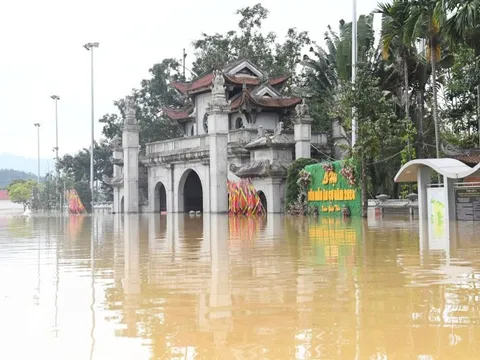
(42, 55)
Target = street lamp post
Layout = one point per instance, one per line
(56, 98)
(90, 47)
(37, 125)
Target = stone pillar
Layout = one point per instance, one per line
(423, 180)
(449, 187)
(302, 131)
(218, 138)
(130, 141)
(131, 280)
(274, 196)
(117, 155)
(219, 296)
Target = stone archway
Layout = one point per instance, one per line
(160, 198)
(122, 208)
(190, 192)
(263, 199)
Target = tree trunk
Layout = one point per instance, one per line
(433, 53)
(407, 108)
(420, 98)
(364, 187)
(405, 78)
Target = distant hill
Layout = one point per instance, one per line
(8, 175)
(28, 165)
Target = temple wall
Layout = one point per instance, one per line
(201, 103)
(232, 121)
(274, 190)
(268, 120)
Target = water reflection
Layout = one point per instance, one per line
(192, 287)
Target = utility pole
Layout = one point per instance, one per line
(56, 98)
(90, 47)
(184, 57)
(37, 125)
(354, 69)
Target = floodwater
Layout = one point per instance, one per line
(210, 287)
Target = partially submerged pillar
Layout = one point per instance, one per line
(423, 181)
(218, 138)
(130, 141)
(117, 160)
(302, 131)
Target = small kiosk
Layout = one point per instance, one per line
(457, 198)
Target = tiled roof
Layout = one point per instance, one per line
(177, 114)
(268, 102)
(240, 80)
(197, 84)
(4, 195)
(469, 159)
(205, 82)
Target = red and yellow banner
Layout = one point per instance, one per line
(243, 199)
(75, 205)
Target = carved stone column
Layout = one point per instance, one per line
(302, 131)
(218, 138)
(130, 141)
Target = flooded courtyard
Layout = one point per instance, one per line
(213, 287)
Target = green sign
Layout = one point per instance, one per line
(333, 187)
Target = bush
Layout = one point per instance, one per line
(292, 178)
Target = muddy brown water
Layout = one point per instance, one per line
(213, 287)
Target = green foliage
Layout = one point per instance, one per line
(249, 41)
(292, 179)
(85, 194)
(325, 69)
(21, 191)
(380, 131)
(154, 94)
(77, 167)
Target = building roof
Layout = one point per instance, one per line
(232, 74)
(468, 159)
(177, 114)
(268, 102)
(448, 168)
(4, 195)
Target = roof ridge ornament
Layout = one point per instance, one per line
(302, 109)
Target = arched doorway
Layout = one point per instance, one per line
(122, 209)
(263, 199)
(160, 203)
(191, 188)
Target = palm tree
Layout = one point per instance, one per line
(463, 27)
(424, 21)
(394, 18)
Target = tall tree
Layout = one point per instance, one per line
(154, 94)
(325, 69)
(394, 45)
(21, 192)
(424, 21)
(380, 131)
(273, 56)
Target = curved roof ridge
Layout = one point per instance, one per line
(447, 167)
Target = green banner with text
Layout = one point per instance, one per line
(334, 188)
